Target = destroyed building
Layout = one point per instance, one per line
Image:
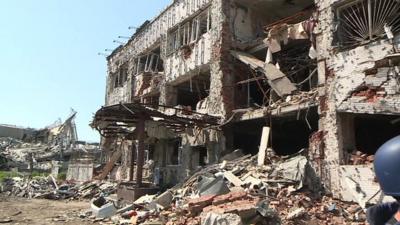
(206, 78)
(52, 149)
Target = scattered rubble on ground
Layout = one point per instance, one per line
(48, 188)
(239, 191)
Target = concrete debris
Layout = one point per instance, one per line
(212, 186)
(46, 187)
(296, 213)
(359, 158)
(221, 219)
(102, 208)
(256, 195)
(292, 170)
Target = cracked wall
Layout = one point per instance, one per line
(347, 88)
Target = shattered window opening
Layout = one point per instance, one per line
(365, 20)
(189, 32)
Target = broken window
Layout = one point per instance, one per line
(365, 133)
(186, 34)
(366, 20)
(204, 20)
(123, 74)
(190, 93)
(199, 156)
(175, 156)
(150, 62)
(152, 101)
(140, 65)
(115, 78)
(173, 41)
(247, 135)
(290, 134)
(189, 32)
(120, 77)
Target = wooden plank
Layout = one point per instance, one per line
(276, 78)
(262, 152)
(110, 165)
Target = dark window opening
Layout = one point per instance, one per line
(253, 94)
(201, 151)
(291, 134)
(247, 135)
(190, 93)
(150, 152)
(116, 80)
(175, 145)
(252, 89)
(366, 133)
(120, 76)
(152, 101)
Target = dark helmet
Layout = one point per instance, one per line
(387, 167)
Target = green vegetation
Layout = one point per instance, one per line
(39, 174)
(62, 176)
(8, 174)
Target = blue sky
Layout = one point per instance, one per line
(48, 59)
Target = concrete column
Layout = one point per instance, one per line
(212, 152)
(133, 153)
(140, 127)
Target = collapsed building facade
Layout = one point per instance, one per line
(208, 77)
(54, 149)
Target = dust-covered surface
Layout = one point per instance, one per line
(41, 211)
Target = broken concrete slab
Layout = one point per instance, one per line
(220, 219)
(212, 186)
(276, 78)
(164, 199)
(292, 170)
(233, 179)
(103, 209)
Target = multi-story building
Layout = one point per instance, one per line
(207, 77)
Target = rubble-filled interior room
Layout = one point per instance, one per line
(366, 133)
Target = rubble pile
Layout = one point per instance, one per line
(283, 191)
(359, 158)
(48, 188)
(19, 152)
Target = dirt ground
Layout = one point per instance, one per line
(40, 211)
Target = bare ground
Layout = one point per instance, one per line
(41, 211)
